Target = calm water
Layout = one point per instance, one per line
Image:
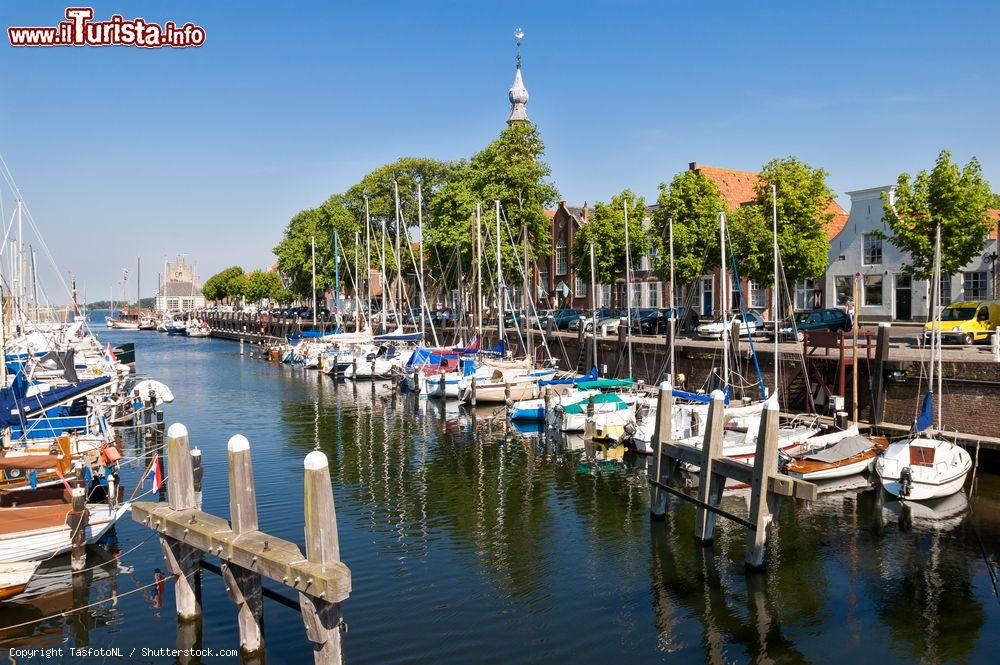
(476, 544)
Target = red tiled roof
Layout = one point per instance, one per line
(740, 187)
(993, 215)
(550, 214)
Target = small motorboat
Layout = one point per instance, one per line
(849, 456)
(198, 329)
(14, 577)
(147, 323)
(923, 468)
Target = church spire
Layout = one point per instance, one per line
(518, 94)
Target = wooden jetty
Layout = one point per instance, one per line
(246, 554)
(767, 486)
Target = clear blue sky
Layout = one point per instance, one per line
(124, 152)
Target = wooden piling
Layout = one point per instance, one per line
(661, 433)
(196, 474)
(762, 502)
(323, 619)
(588, 423)
(878, 374)
(77, 520)
(182, 559)
(244, 585)
(710, 484)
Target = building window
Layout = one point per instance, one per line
(974, 285)
(803, 294)
(636, 295)
(654, 294)
(561, 265)
(543, 276)
(579, 287)
(844, 287)
(758, 296)
(873, 291)
(944, 291)
(172, 304)
(873, 249)
(604, 291)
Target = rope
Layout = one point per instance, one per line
(103, 563)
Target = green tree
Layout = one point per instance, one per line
(294, 252)
(509, 169)
(955, 198)
(226, 284)
(261, 285)
(694, 203)
(606, 230)
(804, 210)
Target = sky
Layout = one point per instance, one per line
(124, 153)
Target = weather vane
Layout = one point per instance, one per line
(519, 33)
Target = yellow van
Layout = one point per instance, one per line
(967, 322)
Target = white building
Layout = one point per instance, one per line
(180, 290)
(886, 294)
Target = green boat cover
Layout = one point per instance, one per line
(604, 384)
(604, 398)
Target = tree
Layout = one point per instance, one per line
(804, 210)
(606, 230)
(294, 252)
(261, 285)
(510, 170)
(957, 199)
(694, 203)
(229, 283)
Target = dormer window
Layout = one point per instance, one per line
(872, 249)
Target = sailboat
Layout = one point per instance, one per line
(924, 466)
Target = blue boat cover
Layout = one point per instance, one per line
(589, 376)
(14, 406)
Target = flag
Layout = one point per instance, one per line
(926, 417)
(155, 474)
(474, 344)
(109, 356)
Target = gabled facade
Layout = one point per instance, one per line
(885, 292)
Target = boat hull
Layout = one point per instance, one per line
(45, 543)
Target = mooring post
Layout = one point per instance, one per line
(710, 484)
(878, 375)
(196, 474)
(159, 427)
(77, 520)
(473, 390)
(182, 559)
(323, 619)
(662, 431)
(242, 584)
(147, 415)
(763, 502)
(588, 424)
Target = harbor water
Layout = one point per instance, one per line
(469, 541)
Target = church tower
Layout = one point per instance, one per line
(518, 94)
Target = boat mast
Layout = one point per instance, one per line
(336, 276)
(357, 282)
(399, 262)
(937, 315)
(499, 278)
(312, 240)
(34, 283)
(775, 293)
(138, 282)
(628, 291)
(382, 276)
(526, 294)
(723, 302)
(593, 300)
(673, 309)
(479, 270)
(368, 262)
(420, 229)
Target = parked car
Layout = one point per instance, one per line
(750, 324)
(967, 322)
(610, 318)
(561, 318)
(834, 320)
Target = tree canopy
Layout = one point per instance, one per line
(694, 203)
(261, 285)
(955, 198)
(509, 169)
(606, 230)
(294, 252)
(804, 201)
(227, 284)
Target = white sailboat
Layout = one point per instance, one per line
(925, 466)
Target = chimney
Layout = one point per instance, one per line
(693, 166)
(584, 214)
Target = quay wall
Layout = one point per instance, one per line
(971, 386)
